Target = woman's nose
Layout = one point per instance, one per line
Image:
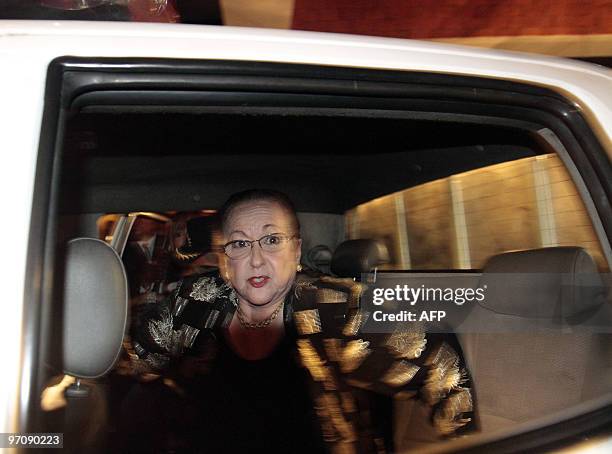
(257, 258)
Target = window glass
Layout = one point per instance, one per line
(460, 221)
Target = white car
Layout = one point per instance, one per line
(371, 137)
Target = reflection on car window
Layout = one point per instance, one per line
(460, 221)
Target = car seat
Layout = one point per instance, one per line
(537, 343)
(352, 258)
(95, 313)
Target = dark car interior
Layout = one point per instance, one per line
(189, 161)
(163, 137)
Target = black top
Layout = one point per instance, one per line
(254, 406)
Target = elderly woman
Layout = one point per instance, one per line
(268, 366)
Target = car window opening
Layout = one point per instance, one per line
(430, 199)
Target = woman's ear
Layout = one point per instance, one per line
(298, 252)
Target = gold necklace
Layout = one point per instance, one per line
(261, 324)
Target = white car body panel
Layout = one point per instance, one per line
(27, 48)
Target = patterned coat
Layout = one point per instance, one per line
(347, 366)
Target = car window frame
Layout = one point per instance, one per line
(73, 83)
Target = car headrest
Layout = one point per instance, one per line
(547, 283)
(354, 257)
(95, 308)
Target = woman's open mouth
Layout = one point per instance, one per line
(258, 281)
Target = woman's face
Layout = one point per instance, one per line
(260, 277)
(180, 234)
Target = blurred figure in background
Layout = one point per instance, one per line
(146, 259)
(193, 242)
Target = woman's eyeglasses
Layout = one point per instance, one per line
(272, 242)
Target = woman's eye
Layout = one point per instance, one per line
(239, 244)
(272, 240)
